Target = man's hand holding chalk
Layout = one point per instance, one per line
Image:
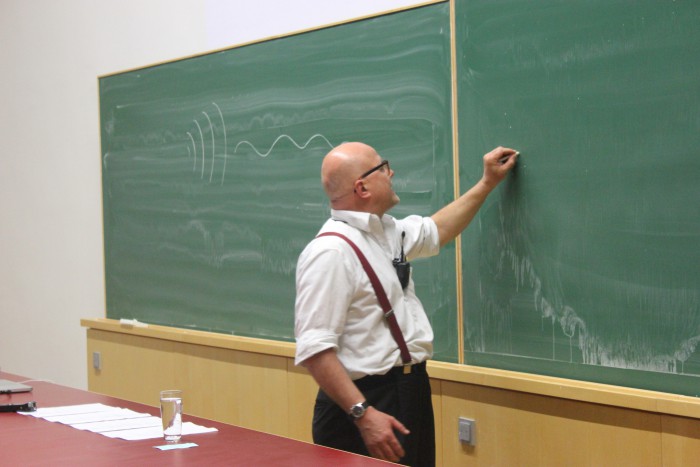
(497, 164)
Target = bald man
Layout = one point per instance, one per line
(370, 400)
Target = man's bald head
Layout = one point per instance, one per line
(342, 176)
(342, 166)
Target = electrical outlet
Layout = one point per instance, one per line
(96, 361)
(467, 431)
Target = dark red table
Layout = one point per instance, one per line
(27, 441)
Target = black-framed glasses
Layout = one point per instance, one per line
(374, 169)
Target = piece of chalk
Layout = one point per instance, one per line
(504, 159)
(132, 322)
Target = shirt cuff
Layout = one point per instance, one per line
(312, 342)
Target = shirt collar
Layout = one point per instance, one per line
(364, 221)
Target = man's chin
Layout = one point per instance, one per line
(394, 200)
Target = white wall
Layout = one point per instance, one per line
(51, 53)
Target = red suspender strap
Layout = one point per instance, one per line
(381, 296)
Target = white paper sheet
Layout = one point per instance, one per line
(113, 422)
(115, 414)
(188, 428)
(119, 424)
(43, 412)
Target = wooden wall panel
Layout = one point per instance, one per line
(520, 420)
(680, 440)
(301, 397)
(237, 387)
(514, 428)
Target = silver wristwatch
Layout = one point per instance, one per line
(358, 410)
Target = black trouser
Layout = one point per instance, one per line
(404, 396)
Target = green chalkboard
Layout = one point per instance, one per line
(211, 168)
(586, 262)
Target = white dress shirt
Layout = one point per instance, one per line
(336, 306)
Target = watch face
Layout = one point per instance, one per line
(358, 410)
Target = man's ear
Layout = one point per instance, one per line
(360, 189)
